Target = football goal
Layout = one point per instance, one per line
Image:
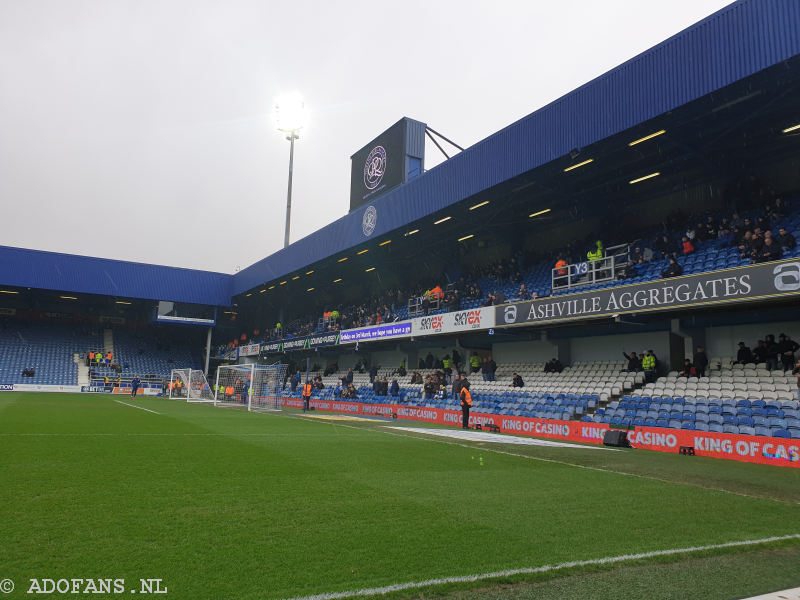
(258, 387)
(190, 385)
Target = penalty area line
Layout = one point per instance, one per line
(399, 587)
(139, 407)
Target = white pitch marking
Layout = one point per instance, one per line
(139, 407)
(482, 436)
(792, 594)
(586, 467)
(397, 587)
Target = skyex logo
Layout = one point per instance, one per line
(374, 167)
(369, 220)
(431, 323)
(471, 318)
(510, 314)
(787, 277)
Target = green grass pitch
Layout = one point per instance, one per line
(221, 503)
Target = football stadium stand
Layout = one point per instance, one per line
(51, 351)
(719, 252)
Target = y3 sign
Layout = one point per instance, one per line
(454, 322)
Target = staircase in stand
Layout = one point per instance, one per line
(83, 370)
(108, 342)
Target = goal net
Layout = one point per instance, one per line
(190, 385)
(258, 387)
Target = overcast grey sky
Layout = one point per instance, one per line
(141, 129)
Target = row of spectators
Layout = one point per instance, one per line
(780, 354)
(681, 235)
(776, 355)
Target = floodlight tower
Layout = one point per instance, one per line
(290, 118)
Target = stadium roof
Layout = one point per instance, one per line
(729, 46)
(733, 43)
(24, 268)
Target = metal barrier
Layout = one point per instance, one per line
(416, 305)
(590, 272)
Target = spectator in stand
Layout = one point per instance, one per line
(447, 364)
(760, 352)
(647, 255)
(700, 361)
(553, 366)
(373, 373)
(688, 369)
(711, 227)
(429, 388)
(786, 349)
(596, 253)
(394, 390)
(724, 229)
(786, 240)
(700, 233)
(516, 381)
(458, 380)
(746, 245)
(416, 378)
(456, 359)
(688, 246)
(634, 362)
(523, 293)
(474, 362)
(485, 368)
(649, 366)
(337, 392)
(662, 246)
(347, 379)
(295, 381)
(796, 371)
(672, 270)
(350, 392)
(743, 355)
(429, 361)
(769, 252)
(561, 267)
(772, 352)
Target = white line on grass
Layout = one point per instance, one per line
(398, 587)
(431, 438)
(139, 407)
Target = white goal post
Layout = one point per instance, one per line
(190, 385)
(258, 387)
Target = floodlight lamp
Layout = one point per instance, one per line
(290, 113)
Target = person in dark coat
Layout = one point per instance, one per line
(700, 361)
(743, 355)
